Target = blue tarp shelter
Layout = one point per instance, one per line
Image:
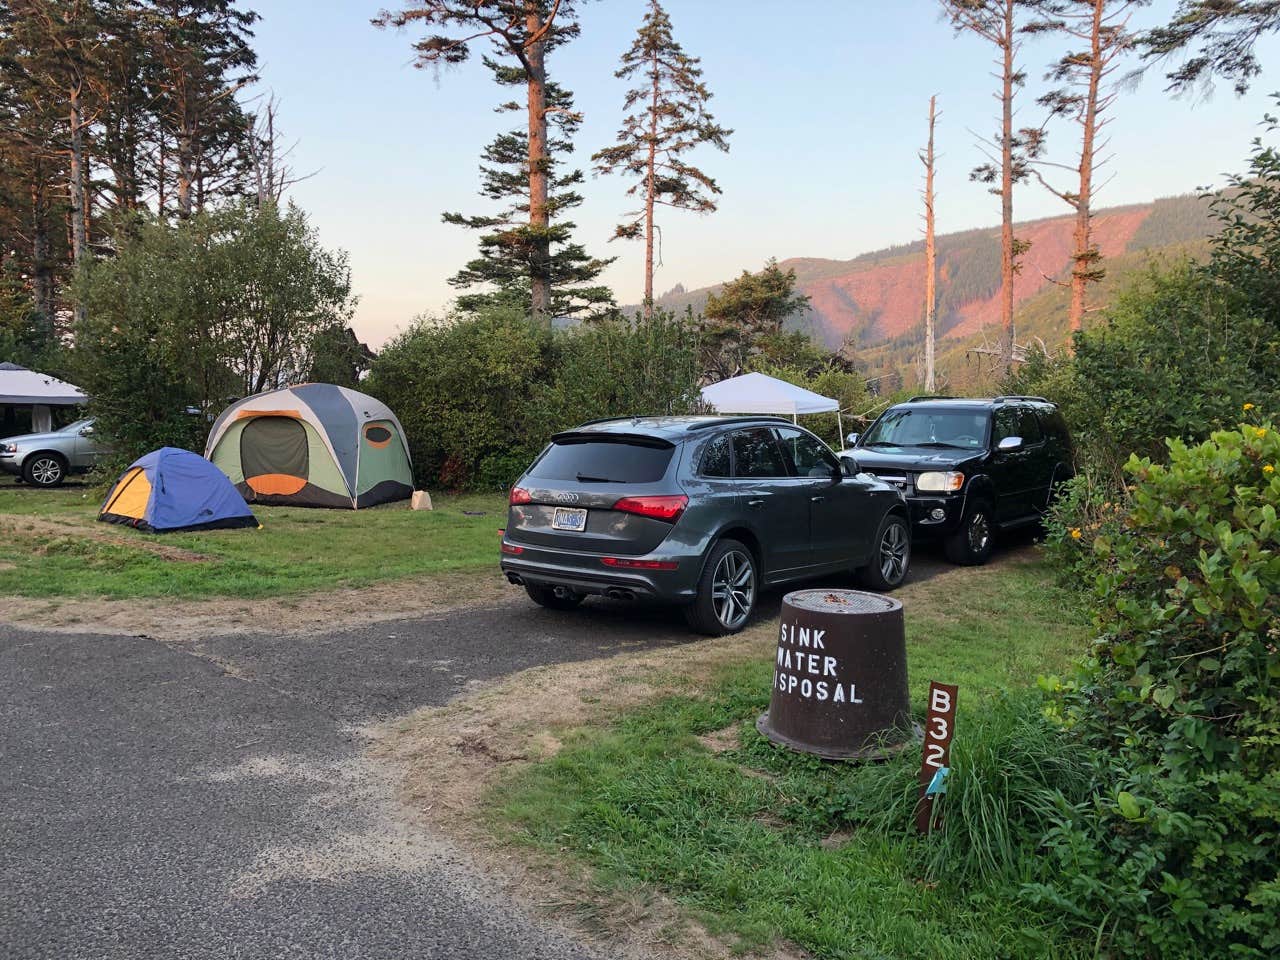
(171, 489)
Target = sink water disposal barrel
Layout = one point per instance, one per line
(840, 676)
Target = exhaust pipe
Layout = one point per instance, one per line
(516, 579)
(619, 593)
(562, 593)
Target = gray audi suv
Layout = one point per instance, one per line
(699, 511)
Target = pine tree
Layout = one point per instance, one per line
(1224, 34)
(997, 22)
(201, 59)
(1101, 27)
(523, 31)
(671, 119)
(510, 248)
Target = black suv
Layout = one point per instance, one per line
(700, 511)
(969, 467)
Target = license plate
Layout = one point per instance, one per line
(569, 518)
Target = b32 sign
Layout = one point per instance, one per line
(935, 764)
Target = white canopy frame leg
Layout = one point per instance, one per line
(840, 427)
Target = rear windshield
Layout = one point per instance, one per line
(602, 461)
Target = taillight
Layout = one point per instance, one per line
(659, 508)
(639, 564)
(520, 495)
(512, 549)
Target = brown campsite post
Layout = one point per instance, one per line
(939, 727)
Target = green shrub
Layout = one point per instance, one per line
(1089, 507)
(1182, 694)
(480, 396)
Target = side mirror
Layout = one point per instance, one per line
(1009, 444)
(86, 431)
(852, 439)
(849, 466)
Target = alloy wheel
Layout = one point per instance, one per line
(46, 471)
(979, 532)
(894, 553)
(733, 589)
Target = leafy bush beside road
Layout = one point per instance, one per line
(480, 396)
(1181, 695)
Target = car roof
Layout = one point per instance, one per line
(668, 428)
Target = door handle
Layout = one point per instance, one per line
(816, 499)
(755, 503)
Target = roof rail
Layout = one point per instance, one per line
(1014, 396)
(743, 418)
(929, 396)
(603, 420)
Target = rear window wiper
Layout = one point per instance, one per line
(583, 478)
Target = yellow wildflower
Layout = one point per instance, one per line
(1248, 406)
(1268, 469)
(1260, 432)
(1075, 533)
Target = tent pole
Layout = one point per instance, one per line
(840, 427)
(793, 417)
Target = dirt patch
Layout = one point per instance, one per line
(168, 619)
(722, 741)
(47, 535)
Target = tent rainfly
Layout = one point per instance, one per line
(758, 393)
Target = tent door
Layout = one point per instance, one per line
(273, 455)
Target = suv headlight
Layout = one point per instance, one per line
(937, 482)
(8, 448)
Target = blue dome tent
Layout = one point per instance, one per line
(171, 489)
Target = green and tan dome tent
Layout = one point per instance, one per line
(314, 445)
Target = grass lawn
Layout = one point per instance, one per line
(52, 546)
(764, 845)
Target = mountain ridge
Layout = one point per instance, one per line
(877, 297)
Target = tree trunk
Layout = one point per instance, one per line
(1085, 255)
(42, 264)
(186, 173)
(1006, 193)
(649, 196)
(79, 192)
(930, 258)
(539, 216)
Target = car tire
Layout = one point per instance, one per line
(891, 562)
(546, 597)
(970, 545)
(730, 571)
(44, 469)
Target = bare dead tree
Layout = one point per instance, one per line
(273, 174)
(930, 254)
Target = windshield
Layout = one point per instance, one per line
(77, 426)
(964, 429)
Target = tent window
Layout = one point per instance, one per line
(274, 445)
(377, 435)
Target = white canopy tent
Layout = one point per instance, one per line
(758, 393)
(21, 387)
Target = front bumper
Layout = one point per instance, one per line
(584, 573)
(925, 517)
(10, 463)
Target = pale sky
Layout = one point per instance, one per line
(828, 102)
